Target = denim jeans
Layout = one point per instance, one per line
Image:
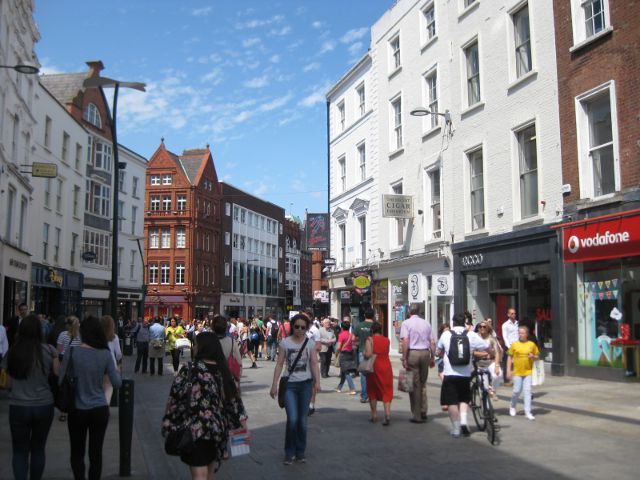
(94, 423)
(363, 379)
(142, 356)
(519, 384)
(29, 430)
(272, 348)
(296, 404)
(344, 375)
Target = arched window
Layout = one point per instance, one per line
(92, 115)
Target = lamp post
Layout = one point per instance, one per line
(23, 68)
(244, 290)
(104, 82)
(143, 287)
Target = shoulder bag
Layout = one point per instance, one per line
(282, 385)
(366, 366)
(180, 440)
(65, 397)
(234, 367)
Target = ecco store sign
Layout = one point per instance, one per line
(472, 260)
(615, 238)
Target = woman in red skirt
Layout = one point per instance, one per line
(380, 382)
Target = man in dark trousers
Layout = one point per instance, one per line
(141, 334)
(14, 322)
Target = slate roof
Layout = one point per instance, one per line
(64, 86)
(190, 162)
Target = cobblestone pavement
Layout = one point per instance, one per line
(583, 429)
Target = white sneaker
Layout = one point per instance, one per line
(530, 416)
(512, 412)
(455, 432)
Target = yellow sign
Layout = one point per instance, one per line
(46, 170)
(361, 282)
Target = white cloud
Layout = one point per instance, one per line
(355, 48)
(201, 12)
(316, 96)
(259, 22)
(354, 34)
(214, 77)
(257, 82)
(317, 24)
(275, 59)
(275, 103)
(327, 46)
(281, 32)
(311, 66)
(250, 42)
(48, 69)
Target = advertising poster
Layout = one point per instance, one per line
(318, 231)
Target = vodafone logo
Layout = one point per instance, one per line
(598, 240)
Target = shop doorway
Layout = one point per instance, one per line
(501, 302)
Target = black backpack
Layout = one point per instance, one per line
(274, 331)
(459, 348)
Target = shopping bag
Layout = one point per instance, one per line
(537, 375)
(405, 380)
(183, 343)
(239, 441)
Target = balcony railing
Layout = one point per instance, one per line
(168, 213)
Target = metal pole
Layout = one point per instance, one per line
(143, 287)
(125, 420)
(114, 240)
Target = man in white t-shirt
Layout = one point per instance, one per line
(509, 335)
(456, 391)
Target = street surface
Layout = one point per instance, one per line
(584, 429)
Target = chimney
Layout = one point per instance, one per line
(95, 67)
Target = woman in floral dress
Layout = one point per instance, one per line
(204, 397)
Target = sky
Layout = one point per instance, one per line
(247, 77)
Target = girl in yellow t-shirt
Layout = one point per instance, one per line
(174, 332)
(522, 354)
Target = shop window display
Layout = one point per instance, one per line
(400, 299)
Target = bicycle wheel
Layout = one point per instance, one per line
(476, 407)
(490, 418)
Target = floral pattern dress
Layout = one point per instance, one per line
(208, 414)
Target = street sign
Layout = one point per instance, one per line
(45, 170)
(89, 256)
(330, 262)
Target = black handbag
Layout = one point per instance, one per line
(65, 396)
(180, 441)
(282, 384)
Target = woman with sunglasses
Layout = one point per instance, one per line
(304, 377)
(492, 363)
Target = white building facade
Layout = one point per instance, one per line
(18, 34)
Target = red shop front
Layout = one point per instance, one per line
(602, 278)
(164, 306)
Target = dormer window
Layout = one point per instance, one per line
(92, 115)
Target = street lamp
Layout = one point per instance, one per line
(423, 112)
(244, 290)
(104, 82)
(144, 271)
(23, 68)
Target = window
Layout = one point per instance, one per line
(10, 206)
(206, 242)
(165, 238)
(429, 15)
(598, 157)
(166, 202)
(56, 245)
(103, 156)
(243, 215)
(341, 115)
(400, 222)
(227, 238)
(473, 73)
(132, 264)
(134, 214)
(396, 121)
(181, 202)
(15, 138)
(361, 100)
(153, 273)
(528, 160)
(594, 16)
(23, 220)
(92, 115)
(342, 228)
(236, 213)
(180, 273)
(363, 239)
(362, 158)
(155, 203)
(431, 85)
(119, 260)
(59, 196)
(342, 166)
(164, 273)
(134, 187)
(181, 237)
(65, 147)
(45, 241)
(227, 269)
(235, 240)
(120, 215)
(394, 46)
(227, 209)
(47, 132)
(47, 193)
(477, 189)
(468, 3)
(76, 200)
(522, 38)
(166, 179)
(78, 156)
(101, 200)
(121, 174)
(436, 218)
(242, 242)
(155, 180)
(154, 238)
(100, 244)
(74, 247)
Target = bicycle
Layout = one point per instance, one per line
(481, 405)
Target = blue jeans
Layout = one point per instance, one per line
(296, 404)
(519, 384)
(363, 379)
(29, 430)
(272, 346)
(344, 375)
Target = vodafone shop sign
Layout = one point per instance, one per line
(619, 237)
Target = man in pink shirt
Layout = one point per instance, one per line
(417, 352)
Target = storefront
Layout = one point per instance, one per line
(514, 270)
(234, 305)
(165, 306)
(56, 291)
(14, 280)
(602, 283)
(351, 294)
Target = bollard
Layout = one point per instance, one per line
(126, 426)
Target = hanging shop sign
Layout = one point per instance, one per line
(443, 285)
(619, 237)
(361, 282)
(397, 206)
(417, 287)
(345, 296)
(472, 260)
(321, 295)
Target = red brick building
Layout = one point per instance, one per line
(598, 59)
(182, 230)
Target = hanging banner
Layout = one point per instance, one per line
(318, 231)
(443, 285)
(417, 288)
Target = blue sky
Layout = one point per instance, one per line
(247, 77)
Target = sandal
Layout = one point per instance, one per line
(387, 421)
(373, 419)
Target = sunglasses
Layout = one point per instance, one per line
(300, 327)
(482, 326)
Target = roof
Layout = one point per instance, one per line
(64, 86)
(190, 161)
